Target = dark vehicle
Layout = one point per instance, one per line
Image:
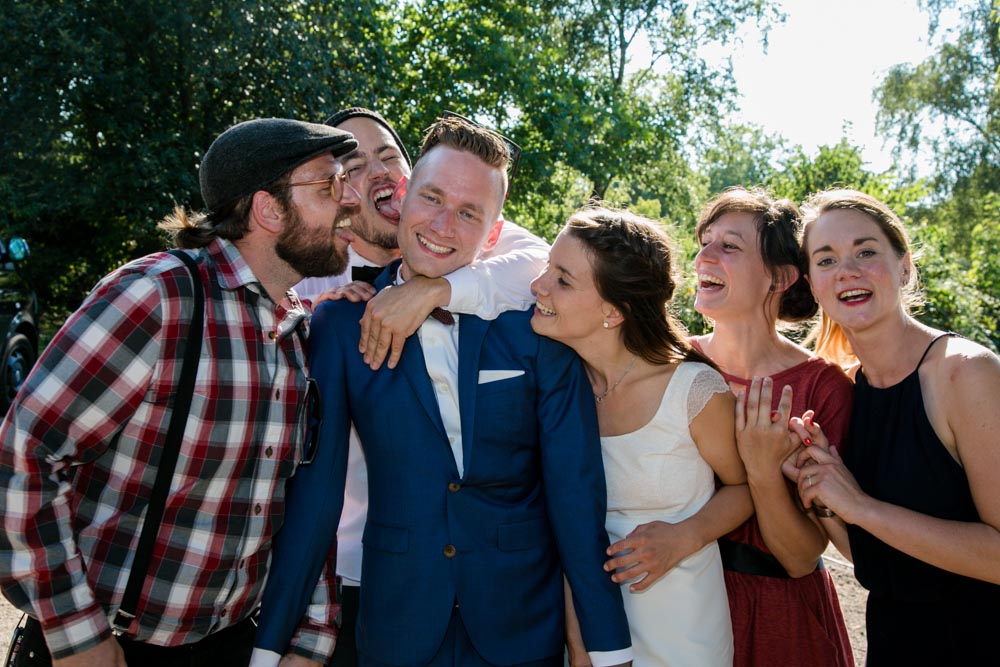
(18, 321)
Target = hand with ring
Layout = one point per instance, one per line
(828, 487)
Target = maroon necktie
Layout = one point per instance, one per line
(443, 316)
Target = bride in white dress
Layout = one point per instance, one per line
(666, 419)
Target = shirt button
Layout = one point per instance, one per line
(269, 451)
(443, 388)
(454, 486)
(272, 335)
(256, 508)
(277, 393)
(449, 551)
(222, 614)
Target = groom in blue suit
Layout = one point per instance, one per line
(485, 478)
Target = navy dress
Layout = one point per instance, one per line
(917, 614)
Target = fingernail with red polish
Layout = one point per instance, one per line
(808, 441)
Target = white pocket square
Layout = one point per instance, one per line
(493, 376)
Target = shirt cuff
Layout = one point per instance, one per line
(314, 641)
(264, 658)
(70, 635)
(464, 290)
(608, 658)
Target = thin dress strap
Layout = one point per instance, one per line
(931, 344)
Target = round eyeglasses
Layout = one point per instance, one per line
(336, 182)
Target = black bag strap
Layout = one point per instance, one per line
(168, 457)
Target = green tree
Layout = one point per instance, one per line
(741, 155)
(954, 91)
(107, 108)
(949, 106)
(566, 81)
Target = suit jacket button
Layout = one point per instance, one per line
(454, 486)
(449, 551)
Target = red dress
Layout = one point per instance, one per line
(778, 620)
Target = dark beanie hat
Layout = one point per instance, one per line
(251, 155)
(356, 112)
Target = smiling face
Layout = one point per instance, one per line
(732, 275)
(855, 273)
(451, 206)
(373, 169)
(568, 307)
(312, 241)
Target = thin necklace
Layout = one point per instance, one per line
(608, 390)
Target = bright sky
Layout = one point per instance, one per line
(821, 67)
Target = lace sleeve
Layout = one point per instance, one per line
(706, 383)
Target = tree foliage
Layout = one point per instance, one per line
(107, 108)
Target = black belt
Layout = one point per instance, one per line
(747, 559)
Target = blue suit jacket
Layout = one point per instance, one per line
(531, 504)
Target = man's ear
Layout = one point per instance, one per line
(399, 193)
(494, 236)
(267, 212)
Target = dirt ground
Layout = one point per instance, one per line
(852, 602)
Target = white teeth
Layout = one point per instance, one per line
(544, 310)
(850, 294)
(433, 247)
(705, 278)
(382, 193)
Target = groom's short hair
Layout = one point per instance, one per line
(460, 134)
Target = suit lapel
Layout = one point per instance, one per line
(411, 362)
(413, 367)
(471, 333)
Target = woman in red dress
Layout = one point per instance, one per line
(750, 280)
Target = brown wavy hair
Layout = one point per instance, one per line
(632, 260)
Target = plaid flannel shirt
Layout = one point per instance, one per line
(75, 473)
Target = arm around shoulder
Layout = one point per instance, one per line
(499, 280)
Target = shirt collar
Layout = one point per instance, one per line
(234, 272)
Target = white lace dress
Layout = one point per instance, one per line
(657, 474)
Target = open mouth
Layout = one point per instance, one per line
(382, 199)
(544, 311)
(707, 282)
(854, 295)
(434, 247)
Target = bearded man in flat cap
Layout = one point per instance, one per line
(81, 443)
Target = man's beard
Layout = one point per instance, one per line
(311, 252)
(368, 232)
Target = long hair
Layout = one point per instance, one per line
(779, 225)
(632, 264)
(828, 337)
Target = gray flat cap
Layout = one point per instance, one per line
(251, 155)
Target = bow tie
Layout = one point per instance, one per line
(366, 274)
(443, 316)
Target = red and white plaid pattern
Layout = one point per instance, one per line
(80, 443)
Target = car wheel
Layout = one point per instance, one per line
(18, 358)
